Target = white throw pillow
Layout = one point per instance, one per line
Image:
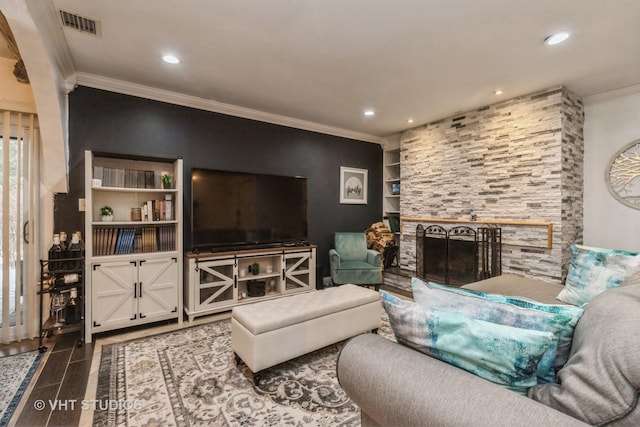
(594, 270)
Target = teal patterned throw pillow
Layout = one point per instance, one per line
(594, 270)
(497, 312)
(502, 354)
(566, 332)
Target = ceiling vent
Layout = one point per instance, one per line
(80, 23)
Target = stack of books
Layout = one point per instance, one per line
(125, 240)
(158, 210)
(125, 178)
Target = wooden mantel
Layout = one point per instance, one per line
(481, 221)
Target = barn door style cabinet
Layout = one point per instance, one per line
(216, 282)
(136, 291)
(134, 256)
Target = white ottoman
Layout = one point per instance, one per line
(274, 331)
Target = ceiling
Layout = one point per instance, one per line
(326, 61)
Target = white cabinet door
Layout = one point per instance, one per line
(298, 272)
(113, 296)
(215, 283)
(158, 287)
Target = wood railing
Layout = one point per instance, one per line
(547, 225)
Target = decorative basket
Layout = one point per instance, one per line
(256, 288)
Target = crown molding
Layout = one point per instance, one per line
(128, 88)
(612, 94)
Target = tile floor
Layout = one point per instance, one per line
(63, 375)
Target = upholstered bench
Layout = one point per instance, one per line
(270, 332)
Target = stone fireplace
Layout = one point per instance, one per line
(517, 164)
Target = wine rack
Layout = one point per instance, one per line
(58, 283)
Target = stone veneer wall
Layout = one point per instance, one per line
(518, 160)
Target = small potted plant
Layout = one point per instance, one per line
(106, 213)
(166, 180)
(254, 268)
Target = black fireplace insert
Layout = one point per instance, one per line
(459, 255)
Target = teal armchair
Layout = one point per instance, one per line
(352, 262)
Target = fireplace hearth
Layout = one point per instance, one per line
(458, 255)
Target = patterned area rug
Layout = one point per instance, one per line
(15, 373)
(189, 378)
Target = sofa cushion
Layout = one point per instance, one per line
(512, 285)
(351, 246)
(441, 297)
(566, 333)
(502, 354)
(601, 381)
(594, 270)
(357, 272)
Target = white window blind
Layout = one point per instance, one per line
(18, 258)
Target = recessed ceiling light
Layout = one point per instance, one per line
(556, 38)
(170, 59)
(409, 121)
(498, 92)
(369, 113)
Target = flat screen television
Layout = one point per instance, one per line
(238, 209)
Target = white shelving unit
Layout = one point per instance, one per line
(218, 281)
(392, 182)
(134, 267)
(392, 187)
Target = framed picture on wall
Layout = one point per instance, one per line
(353, 186)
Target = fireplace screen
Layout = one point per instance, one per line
(459, 255)
(432, 246)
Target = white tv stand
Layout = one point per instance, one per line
(218, 281)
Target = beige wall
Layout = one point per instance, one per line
(14, 96)
(610, 124)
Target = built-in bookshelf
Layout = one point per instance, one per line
(392, 188)
(134, 256)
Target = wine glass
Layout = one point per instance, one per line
(58, 302)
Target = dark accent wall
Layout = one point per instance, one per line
(114, 123)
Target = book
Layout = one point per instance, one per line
(168, 207)
(150, 210)
(137, 244)
(97, 172)
(119, 238)
(131, 239)
(149, 179)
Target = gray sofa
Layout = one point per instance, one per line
(395, 385)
